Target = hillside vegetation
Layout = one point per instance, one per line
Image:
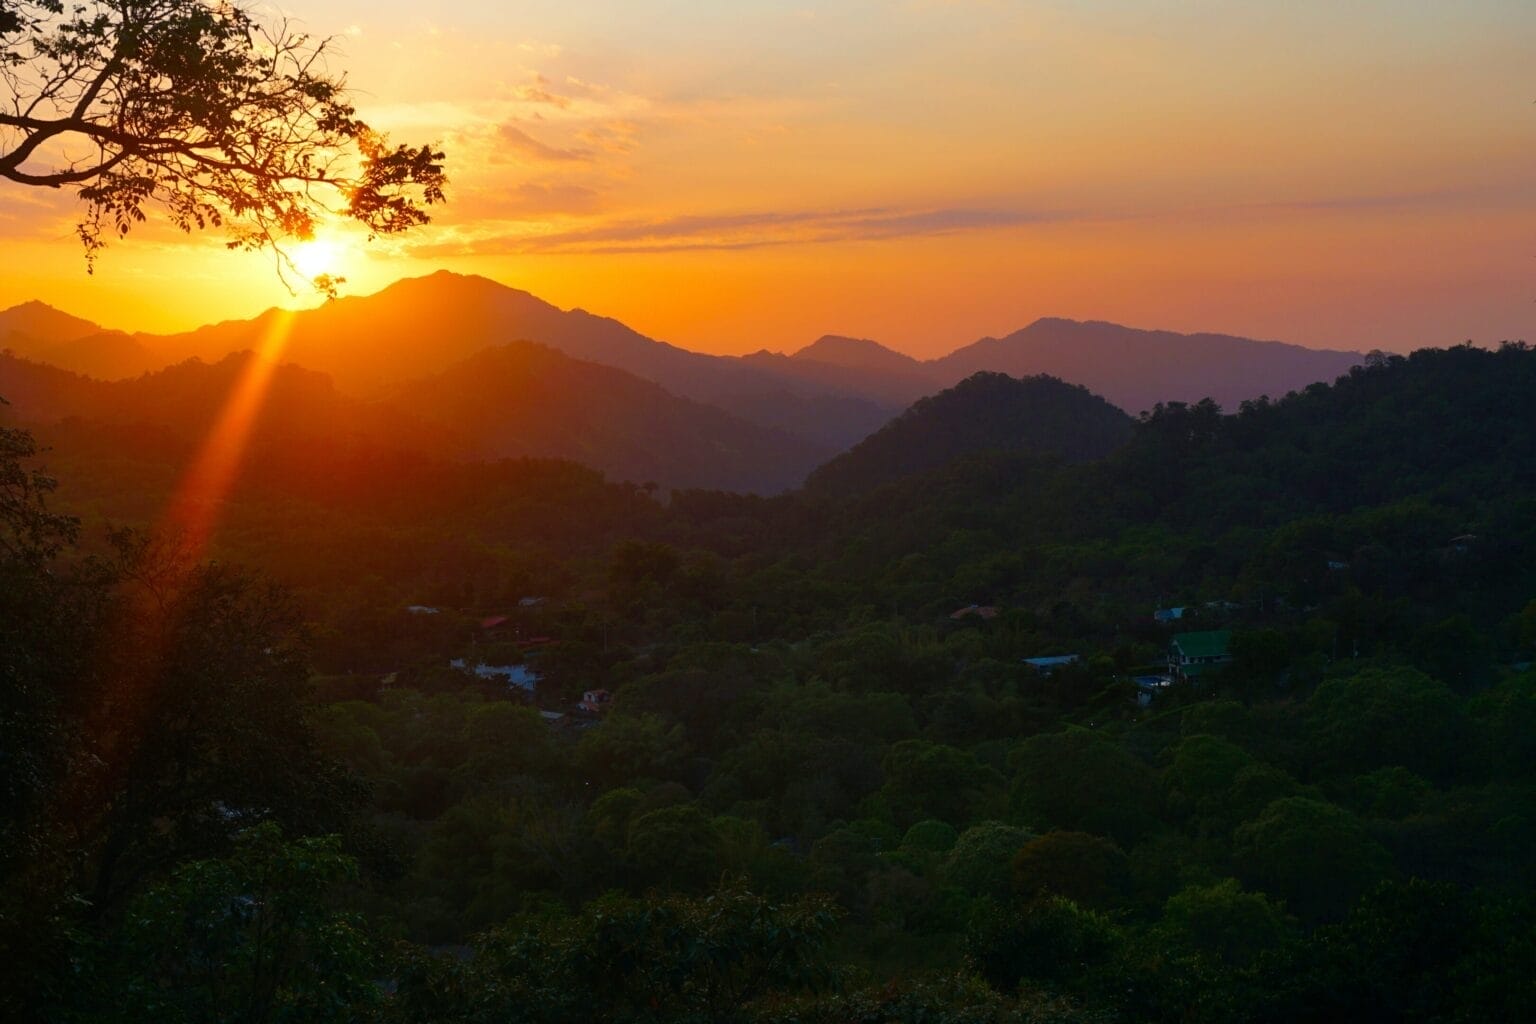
(827, 787)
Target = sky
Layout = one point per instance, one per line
(730, 176)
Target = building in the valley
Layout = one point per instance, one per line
(1045, 666)
(1191, 655)
(595, 701)
(1149, 687)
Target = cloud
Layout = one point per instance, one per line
(527, 199)
(540, 93)
(518, 141)
(614, 137)
(739, 231)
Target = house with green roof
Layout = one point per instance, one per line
(1191, 655)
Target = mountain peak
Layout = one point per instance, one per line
(1046, 322)
(985, 412)
(45, 323)
(31, 306)
(856, 353)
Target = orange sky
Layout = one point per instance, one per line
(754, 174)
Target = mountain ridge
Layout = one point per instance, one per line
(519, 400)
(831, 393)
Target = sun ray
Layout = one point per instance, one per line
(195, 507)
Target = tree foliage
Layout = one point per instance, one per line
(202, 111)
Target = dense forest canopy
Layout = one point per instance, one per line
(828, 785)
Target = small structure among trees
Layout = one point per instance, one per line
(1191, 655)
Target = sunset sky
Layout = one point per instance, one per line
(736, 175)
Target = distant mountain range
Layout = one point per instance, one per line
(1136, 369)
(626, 403)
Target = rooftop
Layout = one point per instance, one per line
(1210, 643)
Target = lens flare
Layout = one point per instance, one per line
(194, 509)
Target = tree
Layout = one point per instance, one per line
(199, 729)
(202, 111)
(657, 958)
(1215, 784)
(674, 847)
(1314, 855)
(981, 860)
(1089, 870)
(1224, 922)
(252, 938)
(931, 780)
(1082, 781)
(630, 747)
(1383, 717)
(47, 613)
(1050, 941)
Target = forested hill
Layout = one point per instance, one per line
(1391, 482)
(1451, 425)
(985, 412)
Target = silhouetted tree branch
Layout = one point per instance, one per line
(197, 108)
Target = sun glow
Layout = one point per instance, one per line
(317, 256)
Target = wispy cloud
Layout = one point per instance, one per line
(518, 141)
(738, 231)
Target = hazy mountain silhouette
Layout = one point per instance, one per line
(890, 391)
(985, 412)
(515, 400)
(187, 399)
(421, 326)
(860, 354)
(527, 399)
(37, 323)
(1136, 369)
(35, 330)
(831, 393)
(37, 392)
(831, 422)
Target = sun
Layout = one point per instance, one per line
(318, 256)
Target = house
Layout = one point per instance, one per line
(516, 677)
(1045, 666)
(1148, 687)
(981, 611)
(595, 701)
(1166, 615)
(1191, 655)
